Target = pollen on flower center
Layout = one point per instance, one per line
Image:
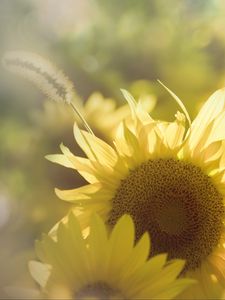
(177, 204)
(98, 290)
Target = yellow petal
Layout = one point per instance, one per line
(60, 159)
(40, 272)
(95, 148)
(175, 131)
(78, 194)
(98, 246)
(131, 101)
(137, 258)
(209, 112)
(217, 132)
(122, 237)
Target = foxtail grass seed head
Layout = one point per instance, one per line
(48, 78)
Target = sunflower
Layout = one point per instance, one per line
(171, 181)
(104, 266)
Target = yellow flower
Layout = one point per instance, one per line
(171, 183)
(104, 266)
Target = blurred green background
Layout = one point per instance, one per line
(103, 46)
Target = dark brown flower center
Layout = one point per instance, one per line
(99, 291)
(177, 204)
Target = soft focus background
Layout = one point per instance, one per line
(102, 45)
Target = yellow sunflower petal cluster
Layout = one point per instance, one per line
(104, 266)
(104, 116)
(170, 181)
